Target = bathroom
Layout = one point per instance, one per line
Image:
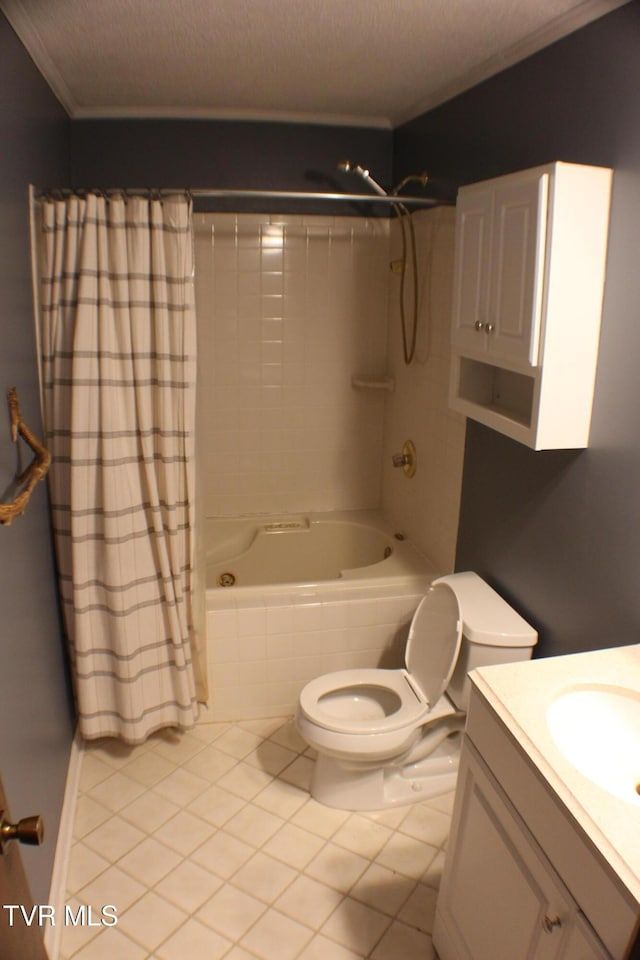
(556, 533)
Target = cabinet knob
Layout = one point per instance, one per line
(479, 325)
(550, 923)
(489, 328)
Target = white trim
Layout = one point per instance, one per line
(145, 112)
(58, 888)
(562, 26)
(23, 24)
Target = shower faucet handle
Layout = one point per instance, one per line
(406, 459)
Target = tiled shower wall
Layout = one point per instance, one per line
(427, 506)
(290, 307)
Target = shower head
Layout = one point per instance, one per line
(348, 166)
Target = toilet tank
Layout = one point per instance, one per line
(492, 632)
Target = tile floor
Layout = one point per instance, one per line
(210, 847)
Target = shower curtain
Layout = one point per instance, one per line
(118, 355)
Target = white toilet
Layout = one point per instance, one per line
(387, 737)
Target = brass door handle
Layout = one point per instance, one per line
(28, 830)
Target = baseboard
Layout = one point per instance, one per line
(57, 892)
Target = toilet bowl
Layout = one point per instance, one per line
(387, 737)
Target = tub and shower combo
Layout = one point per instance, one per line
(294, 597)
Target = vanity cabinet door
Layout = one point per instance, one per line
(499, 267)
(583, 944)
(499, 897)
(518, 256)
(472, 263)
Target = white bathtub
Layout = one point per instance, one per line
(340, 603)
(314, 548)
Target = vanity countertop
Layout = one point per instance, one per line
(520, 694)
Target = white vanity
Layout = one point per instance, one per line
(544, 854)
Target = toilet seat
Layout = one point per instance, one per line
(392, 688)
(377, 701)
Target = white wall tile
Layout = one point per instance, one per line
(297, 303)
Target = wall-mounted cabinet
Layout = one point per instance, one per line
(528, 284)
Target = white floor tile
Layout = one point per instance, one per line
(189, 886)
(406, 855)
(216, 805)
(231, 912)
(222, 854)
(111, 943)
(294, 846)
(181, 787)
(427, 825)
(337, 867)
(149, 768)
(403, 941)
(253, 825)
(210, 847)
(211, 764)
(276, 937)
(151, 920)
(281, 798)
(113, 887)
(420, 909)
(362, 836)
(150, 861)
(264, 877)
(184, 832)
(356, 926)
(308, 901)
(319, 819)
(270, 757)
(89, 815)
(321, 948)
(245, 781)
(113, 838)
(238, 742)
(193, 941)
(149, 811)
(383, 889)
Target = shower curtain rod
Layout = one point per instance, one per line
(227, 194)
(308, 195)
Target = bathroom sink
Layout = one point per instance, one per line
(597, 728)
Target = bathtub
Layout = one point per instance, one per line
(289, 598)
(313, 548)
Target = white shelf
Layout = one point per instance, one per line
(365, 382)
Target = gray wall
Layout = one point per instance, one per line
(35, 711)
(559, 533)
(230, 154)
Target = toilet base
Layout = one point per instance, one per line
(352, 786)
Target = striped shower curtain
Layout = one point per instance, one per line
(118, 354)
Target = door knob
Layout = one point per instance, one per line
(29, 830)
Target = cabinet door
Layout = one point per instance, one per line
(472, 268)
(583, 944)
(499, 898)
(517, 273)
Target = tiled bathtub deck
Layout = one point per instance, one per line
(210, 847)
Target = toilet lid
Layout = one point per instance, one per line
(434, 641)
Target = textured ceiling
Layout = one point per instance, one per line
(370, 62)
